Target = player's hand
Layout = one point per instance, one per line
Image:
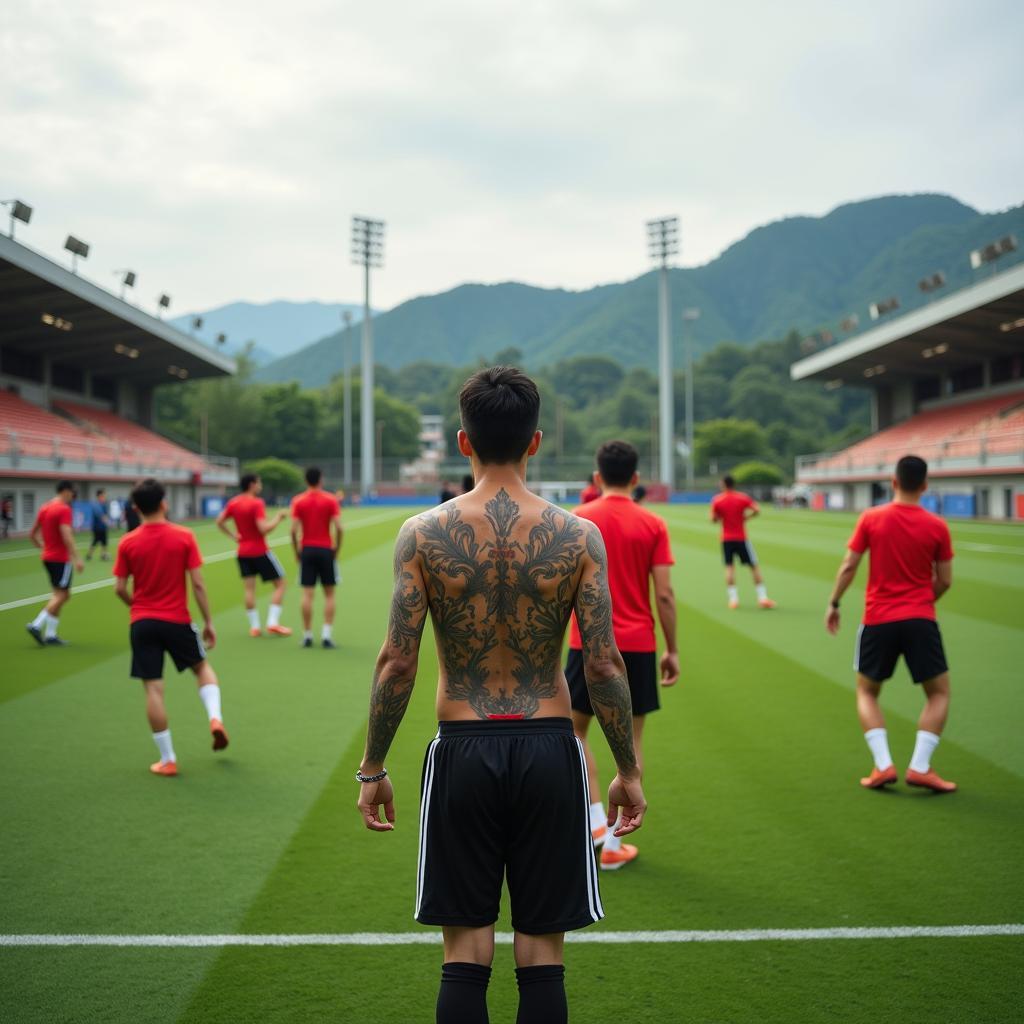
(79, 565)
(626, 797)
(209, 636)
(832, 620)
(373, 796)
(669, 668)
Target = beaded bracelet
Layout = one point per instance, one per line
(382, 774)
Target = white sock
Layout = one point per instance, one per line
(51, 626)
(733, 594)
(163, 744)
(878, 741)
(613, 842)
(325, 632)
(762, 592)
(40, 620)
(597, 815)
(210, 696)
(274, 615)
(253, 615)
(924, 747)
(307, 634)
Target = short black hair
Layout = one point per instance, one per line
(617, 462)
(911, 473)
(246, 480)
(146, 496)
(313, 476)
(65, 485)
(100, 490)
(639, 492)
(728, 480)
(500, 409)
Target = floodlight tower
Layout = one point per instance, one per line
(690, 316)
(347, 399)
(19, 211)
(367, 252)
(662, 244)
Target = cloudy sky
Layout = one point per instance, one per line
(220, 149)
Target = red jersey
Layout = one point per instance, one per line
(54, 514)
(728, 507)
(158, 556)
(246, 510)
(636, 541)
(905, 542)
(315, 509)
(590, 493)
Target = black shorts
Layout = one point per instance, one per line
(318, 566)
(99, 535)
(506, 798)
(641, 671)
(60, 574)
(266, 566)
(918, 640)
(151, 638)
(741, 549)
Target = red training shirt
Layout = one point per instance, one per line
(315, 509)
(728, 507)
(590, 493)
(49, 519)
(247, 510)
(157, 556)
(636, 541)
(905, 541)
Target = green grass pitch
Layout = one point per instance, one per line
(756, 819)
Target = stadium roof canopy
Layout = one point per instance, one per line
(39, 299)
(982, 321)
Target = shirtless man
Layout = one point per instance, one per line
(504, 785)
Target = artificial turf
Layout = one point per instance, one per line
(756, 820)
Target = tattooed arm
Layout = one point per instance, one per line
(606, 682)
(393, 677)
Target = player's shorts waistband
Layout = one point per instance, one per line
(506, 727)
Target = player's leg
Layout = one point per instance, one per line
(929, 729)
(306, 609)
(730, 575)
(61, 596)
(326, 639)
(468, 953)
(252, 613)
(872, 722)
(156, 713)
(209, 694)
(540, 975)
(274, 573)
(749, 557)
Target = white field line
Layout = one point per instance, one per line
(1002, 549)
(220, 556)
(505, 938)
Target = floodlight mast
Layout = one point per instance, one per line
(367, 252)
(347, 400)
(689, 316)
(662, 244)
(19, 211)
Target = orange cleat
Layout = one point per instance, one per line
(279, 630)
(612, 860)
(733, 605)
(255, 632)
(168, 768)
(877, 779)
(220, 736)
(599, 834)
(929, 780)
(766, 603)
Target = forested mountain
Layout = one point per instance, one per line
(801, 273)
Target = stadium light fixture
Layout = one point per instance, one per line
(127, 351)
(19, 211)
(161, 304)
(879, 309)
(662, 245)
(177, 371)
(833, 385)
(222, 339)
(1012, 325)
(991, 252)
(56, 321)
(937, 350)
(195, 324)
(932, 282)
(77, 248)
(127, 280)
(368, 253)
(849, 323)
(874, 371)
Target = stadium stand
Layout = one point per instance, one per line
(947, 383)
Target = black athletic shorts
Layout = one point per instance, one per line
(641, 672)
(151, 638)
(266, 566)
(60, 574)
(318, 566)
(918, 640)
(506, 798)
(741, 549)
(99, 535)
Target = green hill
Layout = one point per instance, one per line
(801, 273)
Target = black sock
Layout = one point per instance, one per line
(542, 995)
(462, 998)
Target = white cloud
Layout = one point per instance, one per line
(222, 148)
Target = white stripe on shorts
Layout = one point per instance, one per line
(428, 785)
(275, 563)
(65, 577)
(199, 640)
(593, 892)
(856, 648)
(751, 553)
